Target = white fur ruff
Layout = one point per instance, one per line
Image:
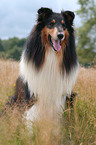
(48, 83)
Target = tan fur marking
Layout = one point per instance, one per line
(44, 39)
(62, 22)
(65, 41)
(45, 32)
(53, 32)
(53, 21)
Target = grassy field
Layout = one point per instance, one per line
(77, 127)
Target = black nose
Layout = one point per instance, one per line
(60, 36)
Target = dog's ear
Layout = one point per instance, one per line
(69, 16)
(44, 13)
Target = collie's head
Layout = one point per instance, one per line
(52, 31)
(55, 27)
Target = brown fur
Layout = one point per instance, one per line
(45, 32)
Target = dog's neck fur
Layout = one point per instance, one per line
(48, 82)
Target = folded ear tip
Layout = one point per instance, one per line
(70, 13)
(44, 13)
(40, 10)
(43, 9)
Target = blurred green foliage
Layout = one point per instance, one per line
(86, 33)
(1, 46)
(11, 48)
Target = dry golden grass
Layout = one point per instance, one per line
(8, 74)
(80, 129)
(86, 83)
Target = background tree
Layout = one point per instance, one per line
(86, 33)
(15, 53)
(1, 46)
(12, 48)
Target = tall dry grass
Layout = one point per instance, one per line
(8, 74)
(77, 127)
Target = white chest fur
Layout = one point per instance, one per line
(48, 83)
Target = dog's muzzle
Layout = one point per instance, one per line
(60, 36)
(56, 43)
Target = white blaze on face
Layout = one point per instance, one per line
(57, 42)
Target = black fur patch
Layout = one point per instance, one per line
(69, 56)
(34, 49)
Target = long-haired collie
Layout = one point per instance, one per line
(49, 63)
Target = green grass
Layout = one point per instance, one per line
(77, 126)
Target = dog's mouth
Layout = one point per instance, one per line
(56, 44)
